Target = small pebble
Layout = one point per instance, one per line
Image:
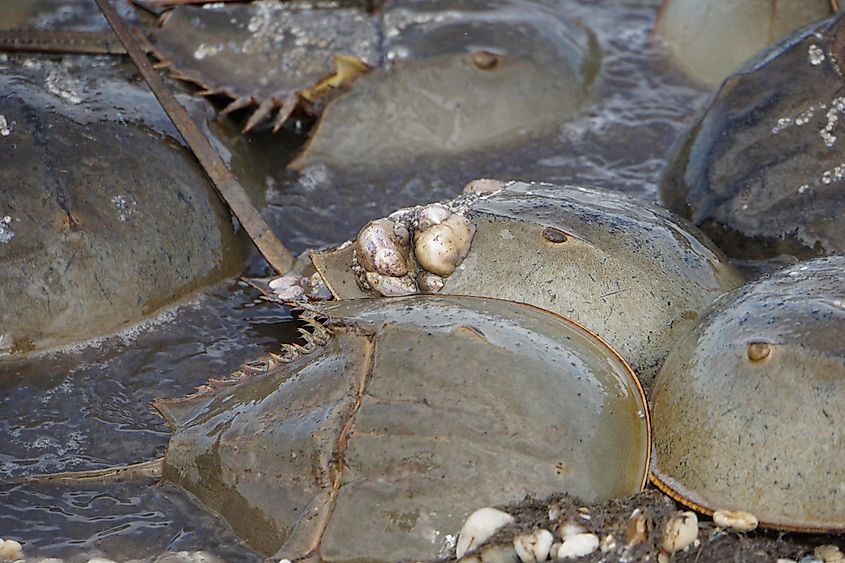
(679, 532)
(829, 554)
(578, 545)
(479, 527)
(608, 543)
(10, 550)
(736, 520)
(533, 547)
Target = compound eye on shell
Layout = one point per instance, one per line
(758, 351)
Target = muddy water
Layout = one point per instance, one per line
(88, 408)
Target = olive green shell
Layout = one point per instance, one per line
(712, 38)
(749, 409)
(485, 75)
(761, 169)
(104, 215)
(413, 413)
(630, 272)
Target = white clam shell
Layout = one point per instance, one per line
(479, 527)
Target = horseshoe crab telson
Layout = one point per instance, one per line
(630, 272)
(402, 416)
(268, 54)
(748, 408)
(486, 74)
(762, 170)
(712, 38)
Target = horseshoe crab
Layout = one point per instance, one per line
(268, 54)
(401, 416)
(104, 215)
(457, 80)
(628, 271)
(748, 407)
(712, 38)
(469, 74)
(761, 170)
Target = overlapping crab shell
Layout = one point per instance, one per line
(401, 416)
(474, 60)
(748, 409)
(268, 54)
(630, 272)
(761, 170)
(485, 75)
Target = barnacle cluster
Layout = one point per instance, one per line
(415, 249)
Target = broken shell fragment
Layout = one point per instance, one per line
(479, 527)
(10, 550)
(736, 520)
(483, 186)
(390, 392)
(533, 547)
(639, 527)
(578, 545)
(679, 532)
(709, 399)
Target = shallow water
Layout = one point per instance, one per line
(88, 408)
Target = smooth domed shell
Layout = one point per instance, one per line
(761, 170)
(415, 412)
(749, 409)
(628, 271)
(104, 215)
(480, 76)
(712, 38)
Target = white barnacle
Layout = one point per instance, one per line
(442, 247)
(382, 248)
(479, 527)
(815, 55)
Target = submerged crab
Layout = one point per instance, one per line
(394, 419)
(632, 273)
